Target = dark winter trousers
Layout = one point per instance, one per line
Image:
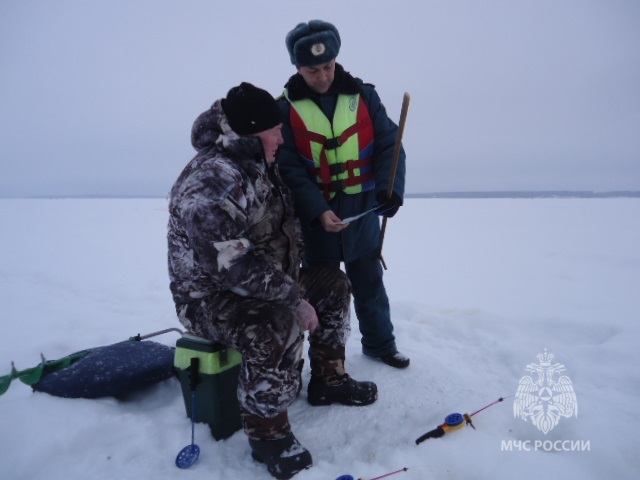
(271, 342)
(371, 304)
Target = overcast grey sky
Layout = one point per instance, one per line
(98, 97)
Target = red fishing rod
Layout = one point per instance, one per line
(454, 421)
(349, 477)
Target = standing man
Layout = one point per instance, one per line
(234, 265)
(337, 158)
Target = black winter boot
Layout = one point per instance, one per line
(348, 392)
(395, 359)
(283, 457)
(331, 384)
(273, 444)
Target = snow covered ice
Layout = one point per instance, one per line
(478, 289)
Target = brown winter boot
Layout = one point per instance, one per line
(330, 383)
(273, 444)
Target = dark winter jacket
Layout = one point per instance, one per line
(232, 230)
(363, 235)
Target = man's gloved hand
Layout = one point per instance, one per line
(306, 316)
(388, 207)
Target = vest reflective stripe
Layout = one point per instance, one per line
(339, 162)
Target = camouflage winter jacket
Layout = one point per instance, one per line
(232, 230)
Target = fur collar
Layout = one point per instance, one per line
(343, 83)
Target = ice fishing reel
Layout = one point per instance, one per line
(453, 421)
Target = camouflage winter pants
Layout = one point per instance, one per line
(271, 341)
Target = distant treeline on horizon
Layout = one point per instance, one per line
(488, 194)
(527, 194)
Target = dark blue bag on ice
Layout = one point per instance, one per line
(113, 370)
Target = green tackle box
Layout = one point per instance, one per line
(213, 369)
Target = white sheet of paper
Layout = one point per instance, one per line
(355, 217)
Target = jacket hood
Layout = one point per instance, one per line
(212, 128)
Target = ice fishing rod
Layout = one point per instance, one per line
(349, 477)
(454, 421)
